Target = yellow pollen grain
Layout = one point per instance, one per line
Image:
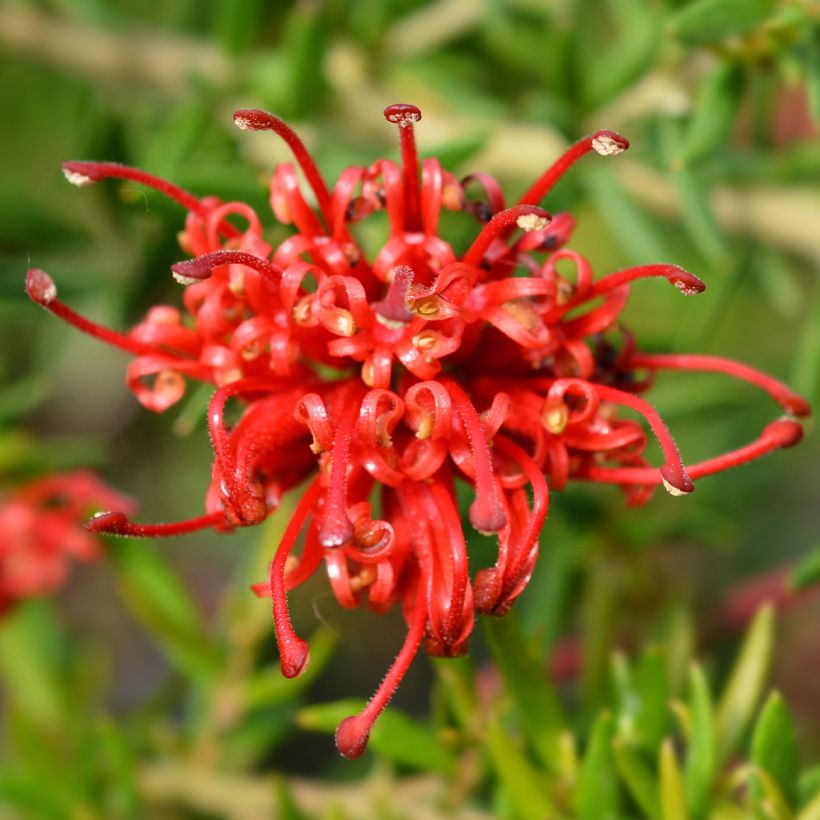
(555, 418)
(426, 307)
(344, 324)
(424, 341)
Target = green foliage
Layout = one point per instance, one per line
(151, 688)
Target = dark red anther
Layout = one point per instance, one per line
(393, 308)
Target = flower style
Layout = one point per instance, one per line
(380, 382)
(40, 529)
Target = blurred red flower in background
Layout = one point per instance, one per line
(41, 530)
(380, 382)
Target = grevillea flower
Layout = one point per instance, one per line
(381, 382)
(41, 529)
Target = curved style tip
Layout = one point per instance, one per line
(40, 287)
(190, 271)
(687, 283)
(294, 658)
(351, 737)
(785, 431)
(609, 144)
(676, 481)
(109, 523)
(487, 518)
(403, 114)
(253, 119)
(79, 173)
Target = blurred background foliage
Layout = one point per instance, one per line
(150, 687)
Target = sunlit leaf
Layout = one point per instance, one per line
(707, 21)
(714, 112)
(597, 795)
(774, 748)
(524, 784)
(163, 604)
(701, 755)
(527, 682)
(745, 686)
(673, 796)
(639, 779)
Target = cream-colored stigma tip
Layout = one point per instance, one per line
(75, 178)
(606, 146)
(531, 222)
(41, 286)
(671, 489)
(242, 123)
(184, 280)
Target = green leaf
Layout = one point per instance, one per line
(708, 21)
(767, 797)
(26, 793)
(700, 220)
(812, 810)
(457, 679)
(395, 735)
(628, 55)
(807, 572)
(162, 603)
(635, 233)
(811, 65)
(673, 797)
(524, 785)
(714, 112)
(236, 23)
(701, 758)
(639, 780)
(27, 667)
(745, 685)
(526, 680)
(596, 797)
(774, 748)
(286, 806)
(809, 783)
(652, 686)
(269, 687)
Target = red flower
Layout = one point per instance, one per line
(382, 381)
(40, 529)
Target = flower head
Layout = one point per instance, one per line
(382, 381)
(40, 530)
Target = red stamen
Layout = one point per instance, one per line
(526, 217)
(485, 513)
(117, 523)
(337, 529)
(687, 283)
(201, 267)
(42, 290)
(673, 473)
(353, 732)
(405, 116)
(786, 398)
(779, 434)
(250, 119)
(605, 143)
(294, 652)
(83, 174)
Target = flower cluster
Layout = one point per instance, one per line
(40, 529)
(381, 382)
